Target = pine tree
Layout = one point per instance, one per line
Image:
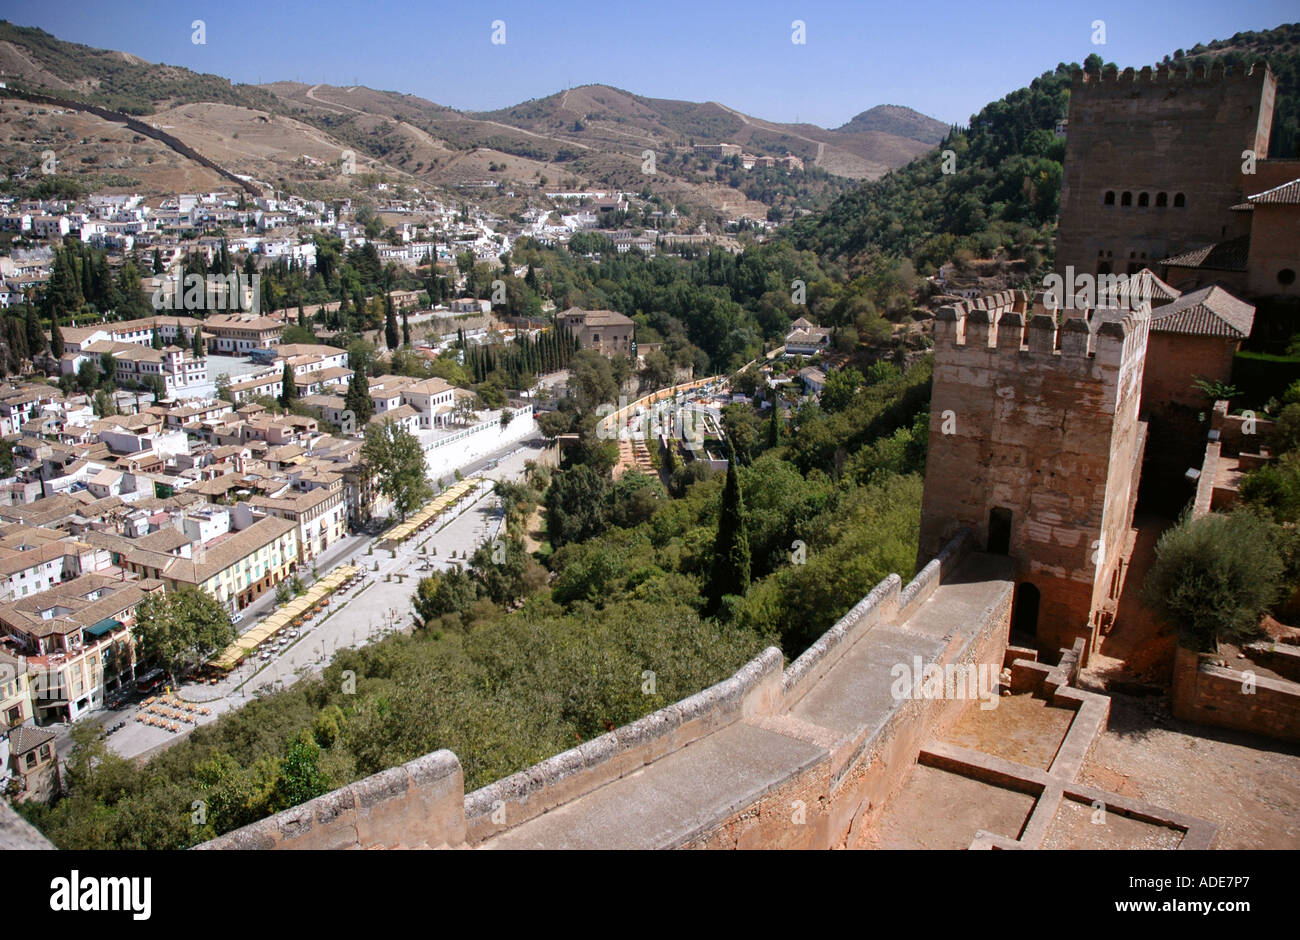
(730, 573)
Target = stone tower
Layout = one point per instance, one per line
(1035, 444)
(1154, 159)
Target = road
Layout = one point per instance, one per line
(380, 605)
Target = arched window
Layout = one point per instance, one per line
(1179, 201)
(1103, 268)
(1110, 197)
(1126, 199)
(1143, 200)
(1162, 200)
(1286, 277)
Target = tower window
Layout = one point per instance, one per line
(1126, 199)
(1286, 276)
(1180, 201)
(1143, 200)
(1162, 200)
(1110, 197)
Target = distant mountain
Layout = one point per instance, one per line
(899, 121)
(287, 133)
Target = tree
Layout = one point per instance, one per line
(222, 385)
(391, 335)
(395, 457)
(36, 341)
(197, 349)
(1214, 577)
(839, 389)
(288, 391)
(156, 342)
(56, 338)
(450, 592)
(301, 778)
(577, 505)
(406, 328)
(774, 425)
(181, 628)
(730, 572)
(358, 400)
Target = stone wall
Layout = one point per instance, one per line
(420, 804)
(1214, 695)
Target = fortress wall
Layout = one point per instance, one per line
(422, 803)
(880, 606)
(838, 801)
(752, 691)
(379, 811)
(920, 588)
(1214, 695)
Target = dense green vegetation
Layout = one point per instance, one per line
(507, 669)
(124, 83)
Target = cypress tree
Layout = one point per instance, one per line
(774, 425)
(730, 574)
(406, 328)
(56, 338)
(288, 392)
(35, 335)
(198, 342)
(358, 400)
(390, 323)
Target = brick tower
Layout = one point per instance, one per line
(1154, 160)
(1035, 444)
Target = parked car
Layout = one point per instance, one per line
(236, 618)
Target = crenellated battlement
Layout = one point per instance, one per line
(1111, 79)
(1007, 322)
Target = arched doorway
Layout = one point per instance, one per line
(1024, 613)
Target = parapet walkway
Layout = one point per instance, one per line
(847, 712)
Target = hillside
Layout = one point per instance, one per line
(899, 121)
(1007, 191)
(291, 135)
(36, 60)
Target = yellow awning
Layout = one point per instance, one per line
(232, 655)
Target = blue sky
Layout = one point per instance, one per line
(946, 59)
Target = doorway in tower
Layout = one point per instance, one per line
(1024, 614)
(999, 532)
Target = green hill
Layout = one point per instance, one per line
(1005, 191)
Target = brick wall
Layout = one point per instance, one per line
(1213, 695)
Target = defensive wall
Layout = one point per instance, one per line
(800, 757)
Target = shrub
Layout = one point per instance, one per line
(1214, 577)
